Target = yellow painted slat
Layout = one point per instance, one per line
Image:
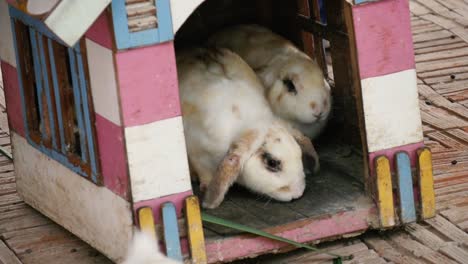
(195, 230)
(146, 220)
(426, 183)
(385, 192)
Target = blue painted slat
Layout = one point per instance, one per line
(142, 38)
(76, 96)
(62, 159)
(58, 103)
(20, 79)
(405, 188)
(171, 232)
(126, 39)
(357, 2)
(119, 16)
(163, 8)
(87, 116)
(47, 91)
(38, 77)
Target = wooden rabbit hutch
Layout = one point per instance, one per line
(96, 124)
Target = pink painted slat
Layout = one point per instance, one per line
(231, 248)
(155, 204)
(100, 31)
(383, 37)
(148, 84)
(390, 154)
(112, 156)
(13, 98)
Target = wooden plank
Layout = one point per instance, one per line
(7, 256)
(386, 126)
(464, 226)
(431, 66)
(430, 36)
(371, 23)
(389, 252)
(426, 183)
(51, 244)
(171, 232)
(426, 29)
(441, 21)
(195, 230)
(164, 156)
(459, 17)
(456, 214)
(80, 16)
(448, 229)
(138, 73)
(405, 188)
(384, 192)
(418, 9)
(146, 221)
(22, 222)
(456, 253)
(447, 78)
(451, 39)
(425, 237)
(103, 81)
(433, 5)
(450, 46)
(358, 249)
(419, 250)
(451, 189)
(441, 55)
(439, 100)
(38, 180)
(7, 44)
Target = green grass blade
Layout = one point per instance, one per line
(230, 224)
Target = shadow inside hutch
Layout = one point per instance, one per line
(339, 186)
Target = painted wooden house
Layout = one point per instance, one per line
(92, 99)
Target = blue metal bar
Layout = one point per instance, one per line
(58, 103)
(77, 99)
(20, 79)
(37, 74)
(171, 232)
(87, 116)
(45, 76)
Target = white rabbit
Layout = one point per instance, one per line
(294, 83)
(144, 249)
(231, 133)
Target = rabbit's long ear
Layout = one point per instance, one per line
(230, 168)
(306, 145)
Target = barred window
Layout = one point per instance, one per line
(56, 99)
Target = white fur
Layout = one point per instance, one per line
(222, 99)
(274, 59)
(144, 249)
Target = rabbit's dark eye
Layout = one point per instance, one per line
(290, 86)
(271, 163)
